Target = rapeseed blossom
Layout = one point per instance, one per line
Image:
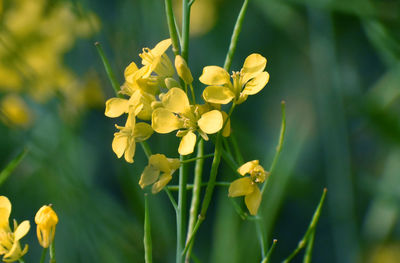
(176, 113)
(10, 247)
(46, 220)
(158, 163)
(247, 186)
(248, 81)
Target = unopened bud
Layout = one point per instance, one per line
(183, 70)
(171, 83)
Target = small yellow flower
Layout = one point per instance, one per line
(183, 70)
(124, 142)
(247, 186)
(158, 163)
(10, 247)
(250, 80)
(176, 113)
(157, 61)
(46, 220)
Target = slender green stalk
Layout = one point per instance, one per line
(198, 171)
(198, 158)
(173, 32)
(192, 92)
(44, 253)
(6, 172)
(146, 149)
(238, 154)
(191, 186)
(110, 73)
(261, 237)
(268, 256)
(278, 148)
(181, 220)
(311, 228)
(235, 36)
(185, 29)
(52, 252)
(171, 198)
(309, 248)
(147, 232)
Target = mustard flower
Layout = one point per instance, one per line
(158, 163)
(183, 70)
(157, 61)
(10, 247)
(250, 80)
(247, 186)
(177, 114)
(46, 220)
(124, 142)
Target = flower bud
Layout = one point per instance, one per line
(171, 83)
(46, 220)
(183, 70)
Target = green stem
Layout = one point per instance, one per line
(7, 171)
(52, 252)
(198, 158)
(235, 36)
(173, 32)
(198, 171)
(185, 29)
(268, 257)
(193, 95)
(147, 232)
(110, 73)
(171, 198)
(278, 148)
(309, 248)
(191, 186)
(146, 149)
(44, 253)
(261, 239)
(236, 149)
(181, 220)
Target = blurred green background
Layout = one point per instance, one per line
(335, 63)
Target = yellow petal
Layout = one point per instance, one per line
(218, 94)
(176, 100)
(253, 201)
(130, 150)
(247, 167)
(227, 129)
(160, 161)
(187, 144)
(241, 186)
(253, 64)
(21, 230)
(115, 107)
(211, 122)
(214, 75)
(119, 144)
(5, 210)
(256, 84)
(174, 163)
(150, 175)
(142, 131)
(161, 183)
(161, 47)
(164, 121)
(130, 71)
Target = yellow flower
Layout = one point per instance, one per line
(10, 247)
(46, 220)
(177, 114)
(250, 80)
(157, 61)
(247, 186)
(151, 175)
(124, 142)
(15, 111)
(183, 70)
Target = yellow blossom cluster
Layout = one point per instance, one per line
(34, 37)
(151, 93)
(10, 247)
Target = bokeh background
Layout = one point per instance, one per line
(335, 63)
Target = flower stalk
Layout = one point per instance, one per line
(147, 232)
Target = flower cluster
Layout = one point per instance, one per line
(152, 94)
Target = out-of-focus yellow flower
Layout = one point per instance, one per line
(250, 80)
(14, 110)
(124, 142)
(46, 220)
(247, 186)
(158, 163)
(387, 253)
(10, 247)
(183, 70)
(177, 114)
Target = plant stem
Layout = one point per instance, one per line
(110, 73)
(235, 35)
(238, 154)
(6, 172)
(44, 252)
(278, 148)
(146, 149)
(173, 32)
(181, 220)
(171, 198)
(268, 257)
(198, 158)
(261, 239)
(190, 186)
(309, 248)
(147, 232)
(185, 29)
(52, 252)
